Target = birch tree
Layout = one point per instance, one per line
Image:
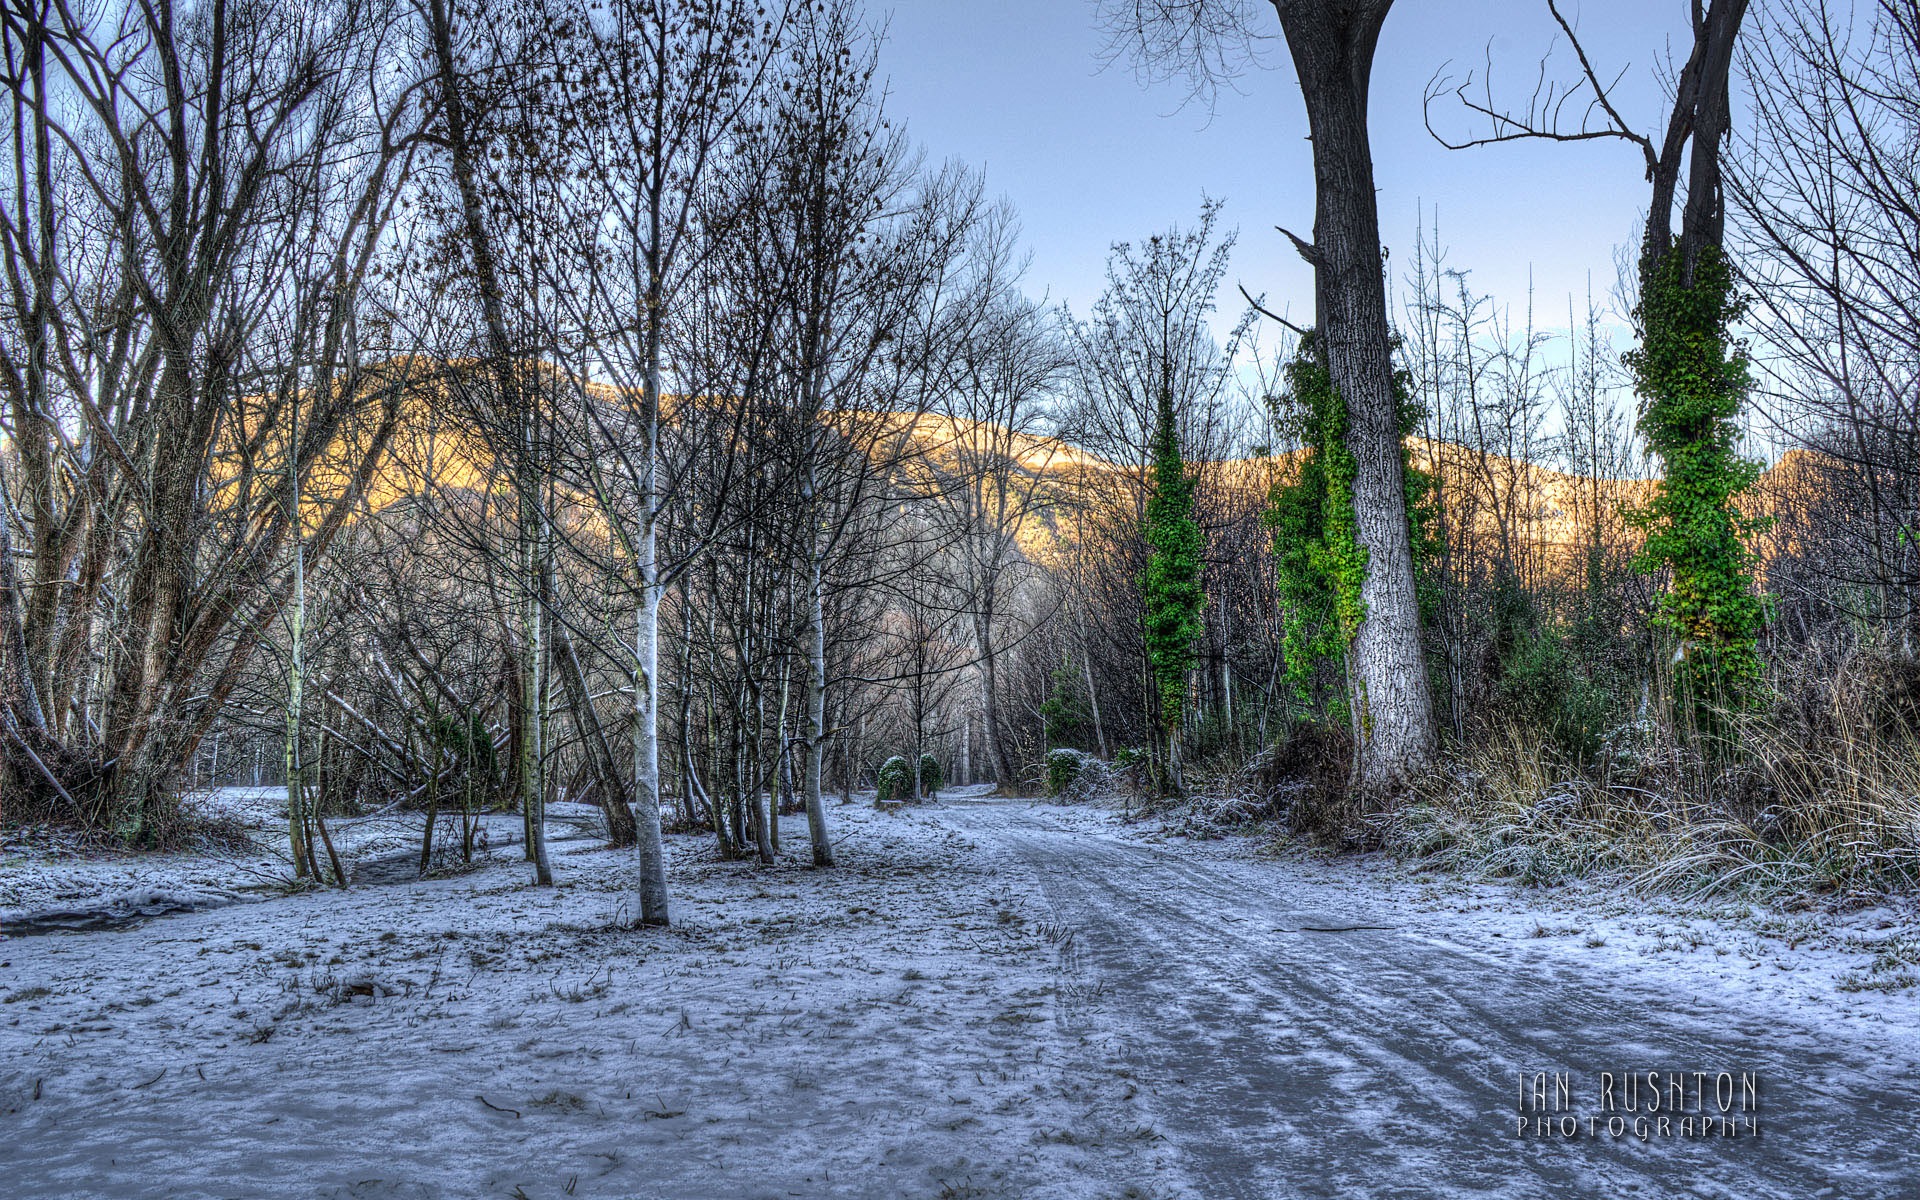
(652, 96)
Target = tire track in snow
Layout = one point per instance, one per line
(1384, 1063)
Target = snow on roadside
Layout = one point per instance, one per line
(1827, 966)
(887, 1028)
(42, 870)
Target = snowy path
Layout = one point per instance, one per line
(1384, 1062)
(983, 1000)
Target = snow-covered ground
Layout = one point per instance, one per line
(983, 999)
(1328, 1029)
(45, 873)
(1837, 962)
(886, 1028)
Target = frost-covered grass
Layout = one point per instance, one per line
(1820, 795)
(984, 1000)
(885, 1028)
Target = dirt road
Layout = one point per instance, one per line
(983, 1000)
(1292, 1051)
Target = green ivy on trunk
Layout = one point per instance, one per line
(1691, 377)
(1320, 564)
(1171, 590)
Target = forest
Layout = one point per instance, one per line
(555, 542)
(468, 408)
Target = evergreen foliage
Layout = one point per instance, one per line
(1692, 377)
(1064, 767)
(1320, 564)
(1064, 711)
(893, 783)
(1172, 595)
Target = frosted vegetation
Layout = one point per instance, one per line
(573, 622)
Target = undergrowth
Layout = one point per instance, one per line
(1818, 794)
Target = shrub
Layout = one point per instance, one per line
(1543, 686)
(1063, 768)
(894, 782)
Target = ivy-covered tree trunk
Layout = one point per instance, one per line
(1320, 563)
(1692, 378)
(1172, 595)
(1332, 43)
(1692, 382)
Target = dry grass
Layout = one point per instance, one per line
(1820, 794)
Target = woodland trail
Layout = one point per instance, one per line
(1292, 1050)
(983, 1000)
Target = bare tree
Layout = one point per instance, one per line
(1826, 192)
(1696, 129)
(855, 249)
(194, 204)
(991, 464)
(509, 406)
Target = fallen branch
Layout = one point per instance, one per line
(495, 1107)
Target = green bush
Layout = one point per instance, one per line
(893, 783)
(1063, 768)
(1543, 685)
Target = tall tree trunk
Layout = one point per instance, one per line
(533, 728)
(646, 746)
(500, 354)
(1332, 43)
(816, 744)
(759, 779)
(963, 775)
(997, 760)
(433, 809)
(296, 664)
(651, 845)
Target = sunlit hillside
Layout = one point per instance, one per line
(1552, 512)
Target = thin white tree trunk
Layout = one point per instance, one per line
(296, 673)
(964, 775)
(646, 670)
(646, 753)
(816, 748)
(533, 780)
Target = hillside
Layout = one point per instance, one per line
(1551, 512)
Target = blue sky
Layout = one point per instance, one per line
(1092, 156)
